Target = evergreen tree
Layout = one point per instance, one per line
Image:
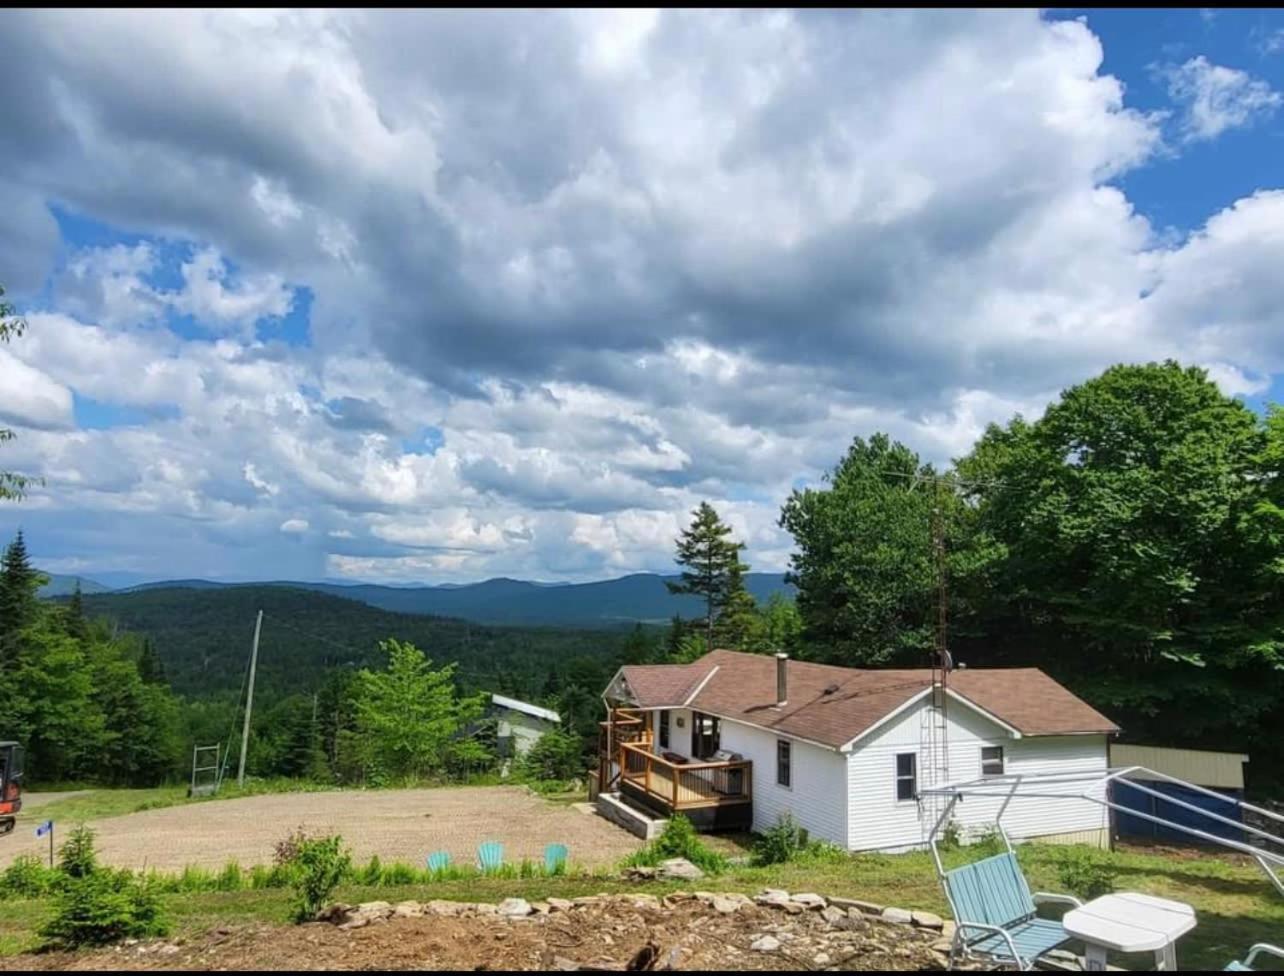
(711, 563)
(19, 584)
(738, 622)
(150, 668)
(77, 626)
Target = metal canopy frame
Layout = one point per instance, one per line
(1096, 789)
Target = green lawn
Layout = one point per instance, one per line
(1235, 903)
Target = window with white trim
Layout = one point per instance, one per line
(784, 762)
(991, 760)
(907, 776)
(664, 728)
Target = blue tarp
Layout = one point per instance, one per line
(1130, 826)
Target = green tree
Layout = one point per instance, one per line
(11, 326)
(77, 626)
(1140, 551)
(710, 561)
(555, 755)
(19, 584)
(866, 570)
(738, 623)
(408, 714)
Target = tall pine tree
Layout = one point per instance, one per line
(710, 561)
(19, 583)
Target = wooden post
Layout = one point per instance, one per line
(648, 776)
(677, 775)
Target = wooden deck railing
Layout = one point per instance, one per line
(683, 786)
(624, 726)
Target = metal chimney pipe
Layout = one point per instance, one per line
(782, 678)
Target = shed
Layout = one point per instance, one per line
(520, 724)
(1220, 771)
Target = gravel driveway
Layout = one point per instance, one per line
(398, 825)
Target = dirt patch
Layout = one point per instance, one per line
(397, 825)
(686, 934)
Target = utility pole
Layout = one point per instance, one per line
(249, 700)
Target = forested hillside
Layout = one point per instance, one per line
(602, 604)
(202, 637)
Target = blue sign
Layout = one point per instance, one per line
(44, 828)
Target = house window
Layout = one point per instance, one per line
(991, 760)
(664, 729)
(704, 735)
(907, 776)
(783, 762)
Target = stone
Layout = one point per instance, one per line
(375, 908)
(541, 907)
(833, 915)
(560, 904)
(928, 920)
(482, 908)
(439, 906)
(868, 907)
(773, 897)
(942, 946)
(724, 905)
(821, 959)
(897, 916)
(809, 900)
(644, 901)
(767, 943)
(793, 908)
(948, 928)
(408, 909)
(641, 873)
(583, 901)
(514, 908)
(680, 868)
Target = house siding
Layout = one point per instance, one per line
(878, 821)
(814, 797)
(517, 732)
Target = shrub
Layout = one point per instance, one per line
(94, 905)
(372, 873)
(319, 865)
(780, 843)
(679, 839)
(1086, 872)
(27, 877)
(231, 878)
(556, 755)
(76, 857)
(951, 837)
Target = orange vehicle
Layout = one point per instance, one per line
(10, 785)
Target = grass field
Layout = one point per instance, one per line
(1235, 903)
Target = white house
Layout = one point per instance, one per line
(520, 724)
(737, 740)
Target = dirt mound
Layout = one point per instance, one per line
(685, 932)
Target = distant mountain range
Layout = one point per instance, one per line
(66, 585)
(639, 598)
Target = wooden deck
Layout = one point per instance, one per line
(680, 787)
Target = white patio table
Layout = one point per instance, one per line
(1130, 922)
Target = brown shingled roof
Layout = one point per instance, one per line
(832, 705)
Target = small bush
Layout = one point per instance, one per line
(556, 755)
(319, 865)
(371, 874)
(1086, 872)
(951, 837)
(780, 843)
(679, 839)
(76, 857)
(231, 878)
(27, 877)
(94, 905)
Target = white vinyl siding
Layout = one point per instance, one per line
(814, 796)
(878, 821)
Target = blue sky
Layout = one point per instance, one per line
(441, 296)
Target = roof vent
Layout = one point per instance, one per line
(831, 689)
